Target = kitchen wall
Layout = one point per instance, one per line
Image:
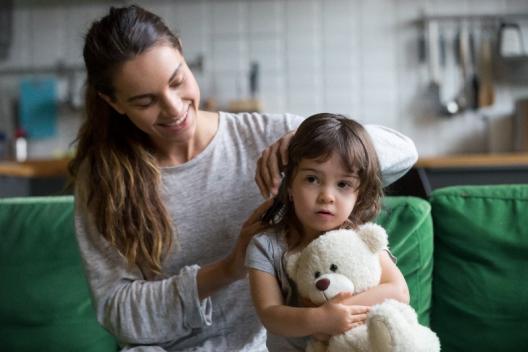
(356, 57)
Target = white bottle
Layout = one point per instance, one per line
(20, 146)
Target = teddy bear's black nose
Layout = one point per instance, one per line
(322, 284)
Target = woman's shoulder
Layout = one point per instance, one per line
(274, 123)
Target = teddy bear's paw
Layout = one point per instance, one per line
(393, 326)
(354, 340)
(380, 335)
(406, 311)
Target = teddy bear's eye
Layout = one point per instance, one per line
(317, 274)
(333, 267)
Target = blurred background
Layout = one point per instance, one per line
(450, 74)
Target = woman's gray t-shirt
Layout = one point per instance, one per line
(208, 198)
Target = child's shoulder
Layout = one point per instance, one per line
(270, 238)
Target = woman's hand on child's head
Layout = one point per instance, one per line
(338, 317)
(269, 165)
(251, 227)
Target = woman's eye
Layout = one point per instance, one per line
(144, 103)
(176, 82)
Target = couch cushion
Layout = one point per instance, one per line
(44, 300)
(480, 292)
(410, 229)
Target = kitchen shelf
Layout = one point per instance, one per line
(474, 17)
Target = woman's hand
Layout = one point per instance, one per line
(214, 276)
(338, 317)
(252, 226)
(269, 165)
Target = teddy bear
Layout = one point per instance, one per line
(348, 260)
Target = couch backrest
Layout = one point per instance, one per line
(44, 298)
(410, 229)
(480, 280)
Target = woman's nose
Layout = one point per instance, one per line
(173, 105)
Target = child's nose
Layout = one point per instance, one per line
(326, 196)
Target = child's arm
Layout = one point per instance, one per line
(392, 285)
(332, 318)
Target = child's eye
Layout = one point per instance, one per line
(311, 179)
(344, 184)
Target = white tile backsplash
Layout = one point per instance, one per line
(268, 52)
(356, 57)
(229, 17)
(265, 17)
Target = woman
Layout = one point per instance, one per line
(163, 189)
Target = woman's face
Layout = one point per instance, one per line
(158, 93)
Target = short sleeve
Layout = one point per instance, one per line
(262, 254)
(392, 256)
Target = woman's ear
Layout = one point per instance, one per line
(112, 103)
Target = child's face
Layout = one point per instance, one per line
(323, 194)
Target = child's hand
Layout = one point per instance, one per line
(338, 317)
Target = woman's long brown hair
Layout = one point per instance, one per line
(317, 138)
(116, 175)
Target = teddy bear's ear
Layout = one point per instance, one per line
(291, 263)
(374, 236)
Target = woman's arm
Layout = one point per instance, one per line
(332, 318)
(392, 285)
(214, 276)
(396, 152)
(137, 310)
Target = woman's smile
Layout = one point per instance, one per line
(177, 123)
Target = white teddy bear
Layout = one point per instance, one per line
(347, 260)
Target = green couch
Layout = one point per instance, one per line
(468, 281)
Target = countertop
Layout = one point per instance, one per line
(35, 168)
(59, 167)
(473, 160)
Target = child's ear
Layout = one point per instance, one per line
(116, 106)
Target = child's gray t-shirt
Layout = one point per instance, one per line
(266, 252)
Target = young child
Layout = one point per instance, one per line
(332, 180)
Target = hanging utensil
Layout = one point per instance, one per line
(460, 101)
(511, 42)
(433, 63)
(486, 94)
(474, 79)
